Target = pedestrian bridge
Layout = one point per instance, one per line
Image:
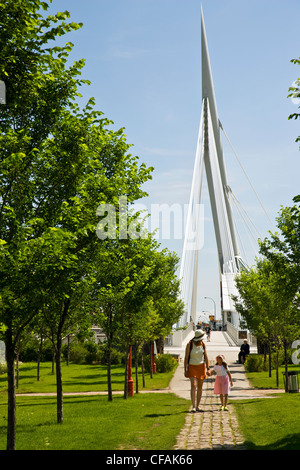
(220, 343)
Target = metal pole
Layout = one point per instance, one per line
(130, 379)
(153, 359)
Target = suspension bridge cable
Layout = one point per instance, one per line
(220, 124)
(239, 205)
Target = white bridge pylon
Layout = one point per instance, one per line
(209, 158)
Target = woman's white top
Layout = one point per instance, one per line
(197, 355)
(220, 370)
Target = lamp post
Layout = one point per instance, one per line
(214, 305)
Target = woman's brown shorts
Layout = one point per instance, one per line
(197, 371)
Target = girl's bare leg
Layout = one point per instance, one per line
(221, 398)
(226, 400)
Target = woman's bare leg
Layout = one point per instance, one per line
(199, 391)
(193, 390)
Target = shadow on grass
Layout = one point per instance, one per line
(290, 442)
(157, 415)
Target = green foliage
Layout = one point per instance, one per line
(295, 93)
(88, 352)
(255, 363)
(3, 368)
(29, 351)
(164, 363)
(116, 356)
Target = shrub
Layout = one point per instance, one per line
(3, 368)
(77, 352)
(91, 351)
(116, 356)
(164, 363)
(29, 350)
(255, 363)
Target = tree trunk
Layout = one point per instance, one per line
(68, 351)
(265, 354)
(270, 359)
(17, 367)
(109, 347)
(143, 368)
(39, 358)
(126, 373)
(59, 389)
(53, 360)
(109, 387)
(277, 366)
(161, 343)
(286, 366)
(151, 363)
(136, 361)
(11, 417)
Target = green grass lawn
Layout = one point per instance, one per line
(262, 379)
(79, 378)
(270, 423)
(143, 422)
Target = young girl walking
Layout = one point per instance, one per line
(223, 378)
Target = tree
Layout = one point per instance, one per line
(37, 87)
(282, 249)
(295, 93)
(58, 164)
(136, 291)
(266, 305)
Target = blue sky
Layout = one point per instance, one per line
(143, 58)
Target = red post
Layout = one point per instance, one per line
(153, 359)
(130, 379)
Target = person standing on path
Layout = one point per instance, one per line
(222, 386)
(196, 367)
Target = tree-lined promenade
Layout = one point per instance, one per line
(60, 163)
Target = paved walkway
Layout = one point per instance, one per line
(212, 428)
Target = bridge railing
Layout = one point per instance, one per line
(179, 337)
(234, 333)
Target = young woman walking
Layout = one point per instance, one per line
(196, 367)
